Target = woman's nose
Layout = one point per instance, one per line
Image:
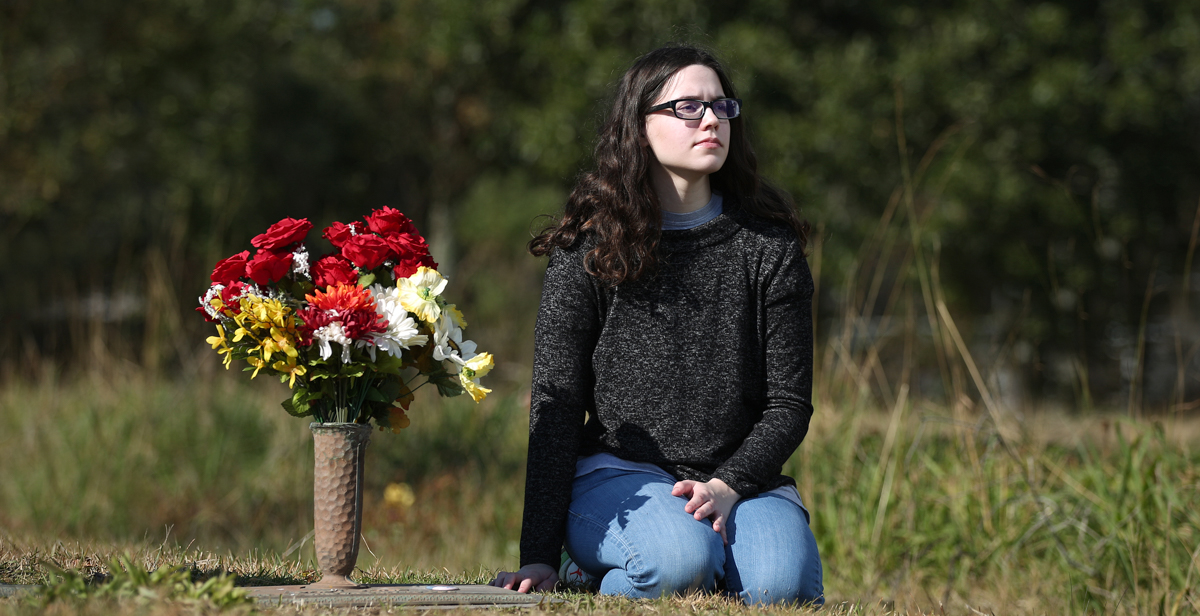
(709, 118)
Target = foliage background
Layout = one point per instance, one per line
(1050, 148)
(1004, 196)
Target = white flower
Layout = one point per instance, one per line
(444, 332)
(300, 261)
(332, 333)
(402, 332)
(449, 346)
(419, 293)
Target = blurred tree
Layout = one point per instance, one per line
(1050, 147)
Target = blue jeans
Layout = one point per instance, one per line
(627, 530)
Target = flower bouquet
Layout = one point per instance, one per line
(349, 333)
(345, 330)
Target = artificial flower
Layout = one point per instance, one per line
(402, 332)
(472, 370)
(366, 251)
(267, 267)
(300, 262)
(282, 234)
(408, 264)
(456, 315)
(343, 314)
(419, 293)
(230, 269)
(390, 220)
(221, 345)
(331, 270)
(267, 312)
(340, 233)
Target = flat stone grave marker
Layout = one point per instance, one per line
(372, 595)
(397, 595)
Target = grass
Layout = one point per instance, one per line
(933, 509)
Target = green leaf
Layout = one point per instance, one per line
(298, 405)
(448, 388)
(354, 370)
(374, 395)
(390, 389)
(366, 280)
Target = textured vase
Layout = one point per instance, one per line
(337, 498)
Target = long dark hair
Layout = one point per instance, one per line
(616, 202)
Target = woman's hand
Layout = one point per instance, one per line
(530, 577)
(712, 499)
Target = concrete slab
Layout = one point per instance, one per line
(398, 595)
(13, 590)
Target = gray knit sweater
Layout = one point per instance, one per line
(703, 369)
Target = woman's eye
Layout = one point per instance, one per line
(688, 107)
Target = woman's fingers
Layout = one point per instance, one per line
(529, 577)
(683, 488)
(719, 526)
(699, 498)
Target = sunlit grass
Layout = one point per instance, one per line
(925, 507)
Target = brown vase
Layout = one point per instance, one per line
(337, 498)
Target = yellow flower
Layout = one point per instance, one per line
(399, 495)
(471, 372)
(419, 293)
(221, 345)
(269, 323)
(457, 315)
(290, 368)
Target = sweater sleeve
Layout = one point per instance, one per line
(568, 326)
(789, 353)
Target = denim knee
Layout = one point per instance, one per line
(679, 567)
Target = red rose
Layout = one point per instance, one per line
(231, 294)
(229, 270)
(338, 233)
(390, 220)
(331, 270)
(407, 266)
(267, 267)
(404, 244)
(231, 297)
(366, 251)
(282, 234)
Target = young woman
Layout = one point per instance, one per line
(673, 358)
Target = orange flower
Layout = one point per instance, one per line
(342, 297)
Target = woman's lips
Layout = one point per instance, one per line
(711, 142)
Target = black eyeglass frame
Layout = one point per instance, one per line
(706, 106)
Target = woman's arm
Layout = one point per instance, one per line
(789, 350)
(568, 326)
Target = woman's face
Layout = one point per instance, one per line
(689, 149)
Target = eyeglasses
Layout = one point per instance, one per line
(691, 109)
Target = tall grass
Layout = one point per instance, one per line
(920, 505)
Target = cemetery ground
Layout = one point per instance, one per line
(921, 508)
